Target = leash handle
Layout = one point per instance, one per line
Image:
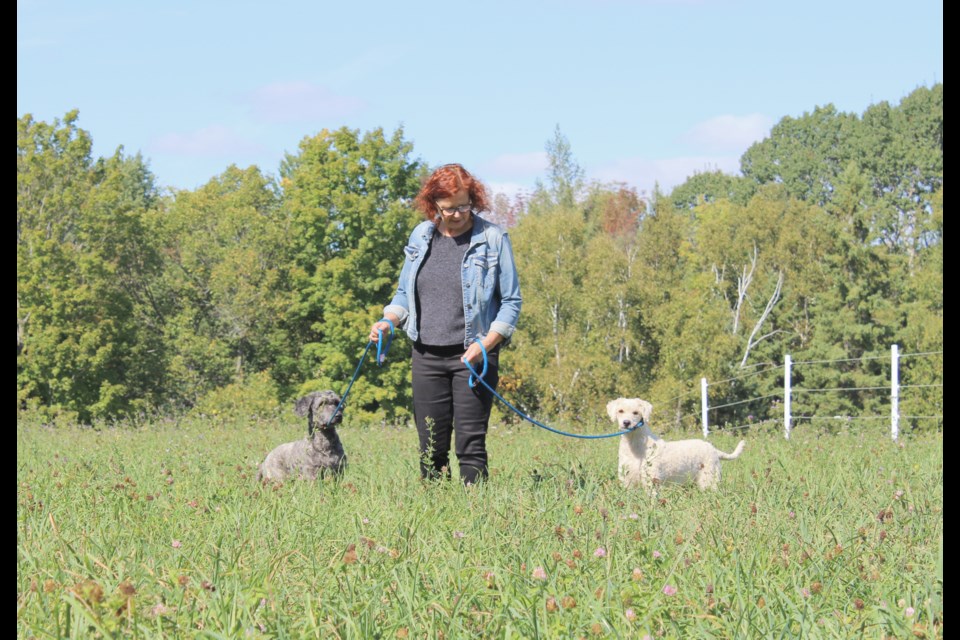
(474, 378)
(381, 348)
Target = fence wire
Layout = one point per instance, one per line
(682, 395)
(738, 402)
(803, 390)
(844, 418)
(746, 375)
(860, 359)
(751, 424)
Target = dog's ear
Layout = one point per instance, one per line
(612, 408)
(646, 410)
(302, 407)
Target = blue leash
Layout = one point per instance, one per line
(475, 378)
(382, 350)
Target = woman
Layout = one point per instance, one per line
(458, 286)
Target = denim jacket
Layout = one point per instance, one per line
(491, 290)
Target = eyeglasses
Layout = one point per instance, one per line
(463, 208)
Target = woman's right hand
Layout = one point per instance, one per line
(377, 328)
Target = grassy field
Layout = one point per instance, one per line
(163, 532)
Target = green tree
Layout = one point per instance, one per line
(878, 179)
(228, 273)
(804, 154)
(582, 333)
(901, 153)
(88, 343)
(564, 176)
(688, 318)
(550, 249)
(348, 199)
(709, 186)
(855, 315)
(897, 149)
(922, 331)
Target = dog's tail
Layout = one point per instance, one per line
(736, 452)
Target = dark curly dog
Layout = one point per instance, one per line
(318, 453)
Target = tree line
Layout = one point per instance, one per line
(234, 297)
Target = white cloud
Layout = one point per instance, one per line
(729, 133)
(667, 172)
(301, 102)
(215, 140)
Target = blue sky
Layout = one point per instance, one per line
(644, 90)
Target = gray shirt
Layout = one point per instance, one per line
(440, 292)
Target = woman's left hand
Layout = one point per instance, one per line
(473, 355)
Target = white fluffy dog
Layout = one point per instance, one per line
(647, 460)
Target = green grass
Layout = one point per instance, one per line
(163, 532)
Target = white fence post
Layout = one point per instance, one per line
(703, 407)
(786, 396)
(894, 392)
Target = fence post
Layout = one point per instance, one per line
(703, 407)
(786, 396)
(894, 392)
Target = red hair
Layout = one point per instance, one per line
(444, 183)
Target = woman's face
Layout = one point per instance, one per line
(453, 221)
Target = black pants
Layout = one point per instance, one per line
(444, 404)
